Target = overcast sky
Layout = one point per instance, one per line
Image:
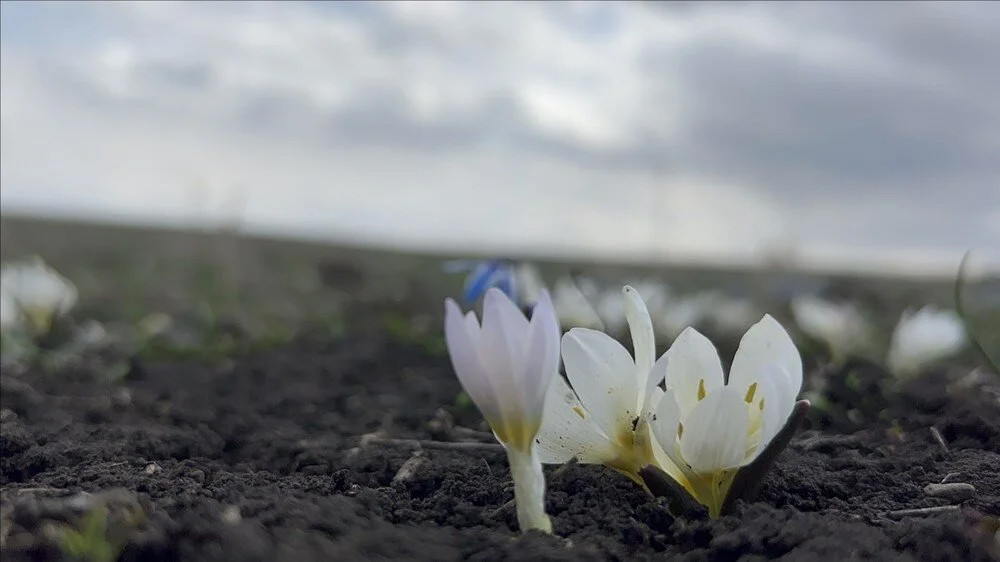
(846, 132)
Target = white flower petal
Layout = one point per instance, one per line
(693, 369)
(502, 349)
(767, 342)
(568, 431)
(602, 374)
(656, 376)
(665, 422)
(472, 326)
(773, 413)
(715, 432)
(467, 363)
(643, 343)
(498, 307)
(542, 359)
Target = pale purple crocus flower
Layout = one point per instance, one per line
(506, 366)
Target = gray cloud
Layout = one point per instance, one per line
(768, 117)
(862, 124)
(776, 118)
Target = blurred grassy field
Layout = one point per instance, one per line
(224, 291)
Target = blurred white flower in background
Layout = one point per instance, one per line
(714, 310)
(9, 315)
(840, 327)
(730, 315)
(608, 305)
(654, 292)
(680, 313)
(924, 337)
(38, 294)
(529, 284)
(573, 307)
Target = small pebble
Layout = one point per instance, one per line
(231, 515)
(81, 501)
(122, 397)
(410, 468)
(954, 491)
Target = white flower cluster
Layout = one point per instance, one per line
(676, 413)
(921, 337)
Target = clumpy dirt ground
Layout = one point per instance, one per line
(265, 458)
(360, 447)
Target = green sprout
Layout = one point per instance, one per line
(90, 542)
(462, 401)
(960, 309)
(404, 330)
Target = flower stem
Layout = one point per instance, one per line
(529, 489)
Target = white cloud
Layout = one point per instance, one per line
(596, 128)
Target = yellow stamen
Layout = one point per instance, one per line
(701, 390)
(750, 393)
(634, 451)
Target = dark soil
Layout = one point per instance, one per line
(313, 450)
(263, 458)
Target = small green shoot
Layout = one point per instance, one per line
(402, 329)
(853, 381)
(960, 309)
(462, 401)
(90, 541)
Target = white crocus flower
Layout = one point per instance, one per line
(506, 367)
(841, 327)
(572, 306)
(709, 427)
(603, 418)
(39, 294)
(924, 337)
